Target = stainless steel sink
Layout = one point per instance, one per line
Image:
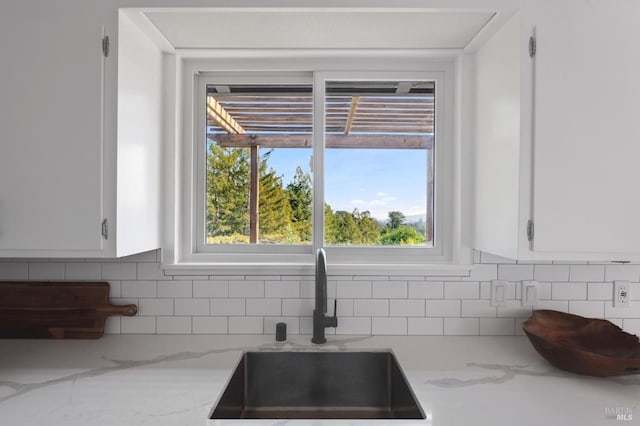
(317, 385)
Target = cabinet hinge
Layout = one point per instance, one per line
(530, 230)
(105, 229)
(532, 46)
(105, 46)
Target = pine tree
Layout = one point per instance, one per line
(274, 210)
(300, 200)
(227, 190)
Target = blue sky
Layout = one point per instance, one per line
(376, 180)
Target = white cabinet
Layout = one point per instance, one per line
(58, 149)
(557, 138)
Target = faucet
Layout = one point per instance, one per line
(320, 321)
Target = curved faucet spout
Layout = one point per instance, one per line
(321, 281)
(320, 321)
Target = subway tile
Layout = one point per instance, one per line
(344, 306)
(298, 307)
(246, 325)
(569, 291)
(622, 272)
(206, 288)
(14, 271)
(370, 307)
(138, 325)
(118, 271)
(556, 305)
(544, 291)
(308, 289)
(631, 311)
(589, 309)
(190, 277)
(631, 326)
(46, 271)
(82, 271)
(253, 289)
(388, 326)
(293, 325)
(354, 289)
(497, 326)
(513, 309)
(151, 271)
(173, 325)
(478, 308)
(485, 290)
(145, 289)
(192, 307)
(209, 325)
(425, 326)
(515, 272)
(600, 291)
(442, 308)
(264, 307)
(483, 272)
(406, 308)
(354, 325)
(370, 278)
(155, 307)
(115, 289)
(426, 290)
(389, 289)
(282, 289)
(112, 325)
(586, 273)
(461, 290)
(634, 289)
(175, 289)
(492, 258)
(551, 273)
(227, 307)
(461, 327)
(306, 325)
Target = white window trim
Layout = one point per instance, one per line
(179, 250)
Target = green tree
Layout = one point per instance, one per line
(369, 228)
(227, 190)
(346, 229)
(404, 235)
(274, 210)
(396, 219)
(300, 199)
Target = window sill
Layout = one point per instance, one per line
(308, 268)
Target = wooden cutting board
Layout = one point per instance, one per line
(56, 310)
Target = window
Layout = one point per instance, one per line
(285, 162)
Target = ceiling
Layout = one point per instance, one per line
(318, 29)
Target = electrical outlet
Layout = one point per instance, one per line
(499, 293)
(621, 294)
(529, 293)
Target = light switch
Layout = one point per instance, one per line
(499, 293)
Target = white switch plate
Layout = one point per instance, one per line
(529, 293)
(499, 293)
(621, 294)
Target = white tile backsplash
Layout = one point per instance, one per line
(207, 303)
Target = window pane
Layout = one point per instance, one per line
(258, 187)
(379, 163)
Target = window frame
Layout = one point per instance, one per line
(181, 247)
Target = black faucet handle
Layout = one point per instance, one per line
(335, 308)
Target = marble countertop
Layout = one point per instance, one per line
(175, 380)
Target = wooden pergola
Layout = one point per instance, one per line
(357, 117)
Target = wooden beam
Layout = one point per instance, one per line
(253, 195)
(331, 141)
(222, 118)
(352, 113)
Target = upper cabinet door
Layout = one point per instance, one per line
(52, 82)
(586, 142)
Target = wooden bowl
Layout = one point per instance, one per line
(589, 346)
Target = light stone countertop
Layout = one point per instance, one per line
(175, 380)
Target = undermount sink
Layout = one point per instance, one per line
(317, 385)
